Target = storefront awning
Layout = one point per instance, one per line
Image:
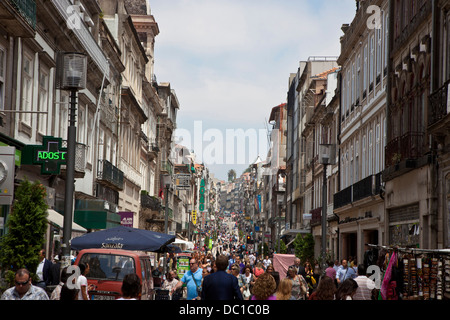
(96, 214)
(58, 219)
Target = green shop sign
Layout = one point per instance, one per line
(50, 155)
(201, 207)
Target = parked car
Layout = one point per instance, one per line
(108, 267)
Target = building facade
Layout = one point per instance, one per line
(411, 218)
(362, 131)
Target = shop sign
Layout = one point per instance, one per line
(50, 155)
(126, 218)
(194, 217)
(202, 195)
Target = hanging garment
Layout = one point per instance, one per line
(387, 287)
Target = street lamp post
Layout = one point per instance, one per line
(189, 210)
(327, 156)
(71, 75)
(167, 180)
(280, 198)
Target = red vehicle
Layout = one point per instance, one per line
(108, 268)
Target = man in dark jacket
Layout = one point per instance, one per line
(298, 266)
(221, 285)
(43, 271)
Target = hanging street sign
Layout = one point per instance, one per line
(182, 181)
(194, 217)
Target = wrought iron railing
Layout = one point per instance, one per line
(408, 146)
(438, 104)
(150, 202)
(109, 173)
(27, 9)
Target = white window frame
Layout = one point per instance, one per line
(43, 99)
(27, 88)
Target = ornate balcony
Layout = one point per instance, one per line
(439, 105)
(18, 17)
(110, 175)
(150, 202)
(406, 147)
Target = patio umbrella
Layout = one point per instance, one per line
(124, 238)
(173, 249)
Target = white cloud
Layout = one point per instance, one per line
(229, 61)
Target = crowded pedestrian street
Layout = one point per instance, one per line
(210, 158)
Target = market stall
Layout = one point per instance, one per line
(411, 273)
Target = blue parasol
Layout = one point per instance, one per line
(124, 238)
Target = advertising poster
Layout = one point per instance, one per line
(182, 264)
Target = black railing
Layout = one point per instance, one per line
(150, 202)
(438, 104)
(27, 9)
(343, 197)
(109, 173)
(367, 187)
(408, 146)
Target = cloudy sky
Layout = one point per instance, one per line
(229, 63)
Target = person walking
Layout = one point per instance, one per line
(365, 285)
(330, 271)
(131, 287)
(284, 291)
(221, 285)
(193, 280)
(346, 290)
(82, 282)
(171, 281)
(344, 273)
(23, 289)
(56, 293)
(258, 270)
(43, 271)
(299, 285)
(267, 262)
(298, 267)
(248, 281)
(326, 289)
(264, 288)
(231, 261)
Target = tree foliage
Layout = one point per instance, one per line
(304, 247)
(263, 249)
(231, 175)
(26, 227)
(283, 248)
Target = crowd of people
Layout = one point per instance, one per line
(225, 276)
(251, 277)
